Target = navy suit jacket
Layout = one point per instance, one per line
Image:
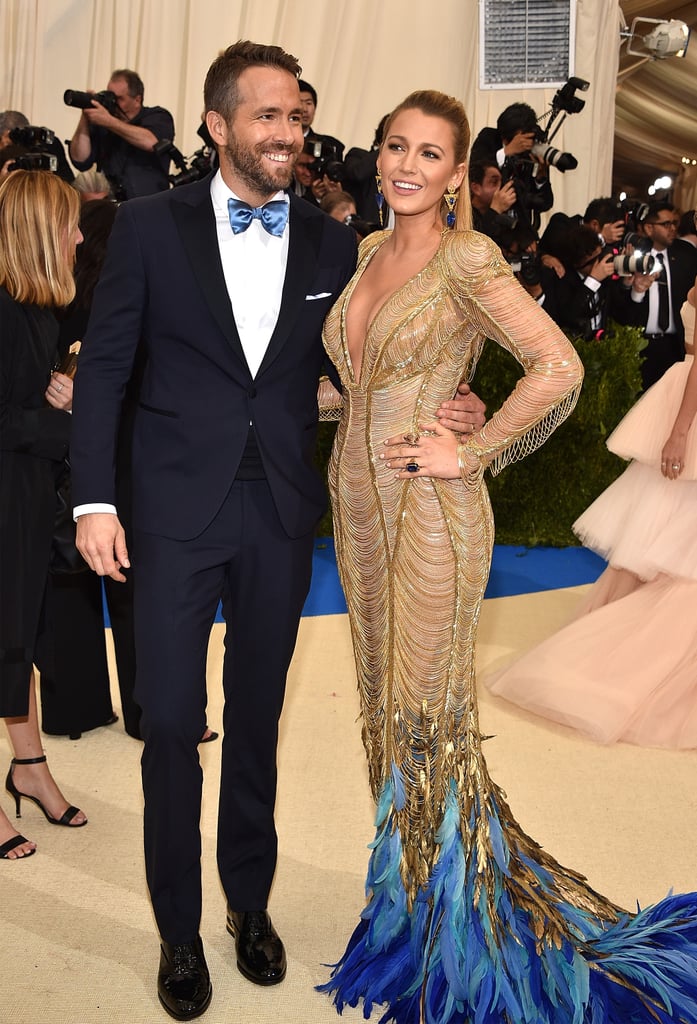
(163, 285)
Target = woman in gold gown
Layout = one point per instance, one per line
(467, 918)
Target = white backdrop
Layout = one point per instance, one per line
(362, 56)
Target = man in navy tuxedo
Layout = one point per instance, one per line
(225, 283)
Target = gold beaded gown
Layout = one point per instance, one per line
(467, 918)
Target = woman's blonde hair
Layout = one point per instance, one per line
(439, 104)
(39, 216)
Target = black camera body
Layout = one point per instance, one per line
(32, 137)
(193, 169)
(83, 100)
(526, 266)
(35, 162)
(326, 159)
(199, 165)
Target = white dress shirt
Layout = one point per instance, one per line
(652, 319)
(254, 265)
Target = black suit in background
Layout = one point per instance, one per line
(203, 527)
(661, 351)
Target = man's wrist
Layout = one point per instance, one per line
(92, 507)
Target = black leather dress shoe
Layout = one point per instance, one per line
(261, 957)
(183, 985)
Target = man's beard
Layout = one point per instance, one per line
(249, 165)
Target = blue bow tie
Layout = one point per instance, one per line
(273, 215)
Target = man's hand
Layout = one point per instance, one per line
(101, 541)
(547, 260)
(642, 282)
(603, 268)
(503, 198)
(522, 142)
(613, 232)
(465, 413)
(98, 114)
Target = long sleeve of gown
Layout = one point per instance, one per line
(492, 299)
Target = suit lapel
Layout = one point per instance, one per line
(193, 214)
(303, 247)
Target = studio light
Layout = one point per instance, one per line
(665, 39)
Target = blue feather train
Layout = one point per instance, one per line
(505, 936)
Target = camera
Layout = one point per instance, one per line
(625, 264)
(554, 157)
(360, 226)
(83, 100)
(565, 101)
(636, 262)
(32, 137)
(526, 265)
(633, 212)
(35, 162)
(326, 159)
(193, 169)
(530, 268)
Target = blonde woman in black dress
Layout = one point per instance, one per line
(38, 235)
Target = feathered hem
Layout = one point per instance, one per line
(470, 951)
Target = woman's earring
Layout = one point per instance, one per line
(451, 197)
(379, 198)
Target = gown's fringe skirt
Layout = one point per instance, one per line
(504, 935)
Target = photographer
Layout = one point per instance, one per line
(518, 244)
(308, 107)
(509, 146)
(490, 199)
(584, 291)
(360, 169)
(607, 218)
(653, 301)
(118, 133)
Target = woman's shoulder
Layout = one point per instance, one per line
(11, 311)
(372, 242)
(473, 258)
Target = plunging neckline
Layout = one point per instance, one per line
(357, 380)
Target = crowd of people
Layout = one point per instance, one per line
(213, 312)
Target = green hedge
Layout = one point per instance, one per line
(536, 500)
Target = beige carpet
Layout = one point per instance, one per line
(78, 935)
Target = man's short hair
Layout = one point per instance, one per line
(518, 117)
(306, 87)
(133, 81)
(654, 210)
(604, 209)
(10, 119)
(220, 90)
(477, 170)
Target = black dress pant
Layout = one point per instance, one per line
(262, 576)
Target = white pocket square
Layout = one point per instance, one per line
(319, 295)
